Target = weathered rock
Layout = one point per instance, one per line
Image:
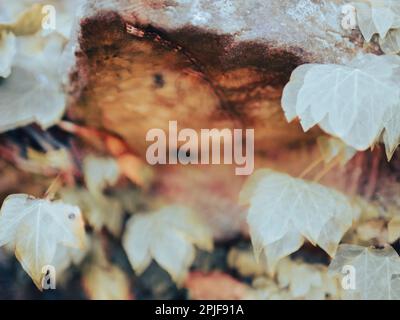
(205, 64)
(221, 62)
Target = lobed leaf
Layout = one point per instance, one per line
(358, 102)
(376, 271)
(168, 236)
(285, 210)
(35, 227)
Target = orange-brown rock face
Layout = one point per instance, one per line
(137, 69)
(138, 84)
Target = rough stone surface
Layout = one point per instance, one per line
(309, 29)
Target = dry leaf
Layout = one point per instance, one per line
(59, 159)
(99, 173)
(215, 286)
(394, 229)
(376, 272)
(23, 18)
(266, 289)
(103, 280)
(106, 283)
(372, 229)
(135, 170)
(35, 227)
(168, 236)
(285, 210)
(245, 263)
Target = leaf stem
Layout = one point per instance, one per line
(53, 188)
(311, 167)
(326, 169)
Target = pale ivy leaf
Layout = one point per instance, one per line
(68, 12)
(106, 283)
(267, 289)
(100, 172)
(284, 211)
(40, 54)
(383, 16)
(391, 43)
(394, 229)
(377, 16)
(99, 212)
(375, 272)
(391, 134)
(101, 279)
(307, 281)
(290, 92)
(33, 92)
(364, 20)
(35, 227)
(244, 262)
(168, 236)
(8, 49)
(351, 102)
(9, 11)
(66, 257)
(26, 98)
(23, 17)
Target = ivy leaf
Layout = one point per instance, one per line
(365, 21)
(34, 227)
(352, 102)
(376, 271)
(99, 173)
(243, 261)
(106, 282)
(309, 281)
(394, 229)
(168, 236)
(23, 17)
(383, 15)
(101, 279)
(8, 50)
(65, 257)
(285, 210)
(33, 92)
(377, 16)
(99, 212)
(391, 43)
